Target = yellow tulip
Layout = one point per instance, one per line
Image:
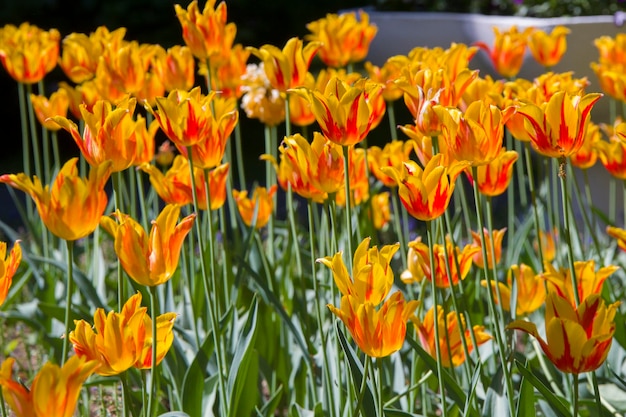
(149, 259)
(577, 339)
(54, 391)
(372, 275)
(547, 49)
(262, 202)
(378, 333)
(530, 288)
(8, 267)
(72, 208)
(45, 108)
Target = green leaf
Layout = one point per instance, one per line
(556, 403)
(174, 414)
(389, 412)
(271, 405)
(526, 400)
(244, 370)
(193, 382)
(297, 411)
(496, 401)
(356, 369)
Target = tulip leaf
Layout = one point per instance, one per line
(473, 384)
(558, 405)
(271, 405)
(356, 369)
(526, 400)
(244, 369)
(193, 382)
(389, 412)
(174, 414)
(297, 411)
(454, 390)
(496, 402)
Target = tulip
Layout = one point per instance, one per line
(345, 113)
(508, 50)
(72, 207)
(372, 275)
(439, 270)
(378, 333)
(589, 281)
(207, 34)
(54, 391)
(475, 135)
(426, 193)
(450, 333)
(587, 155)
(359, 180)
(547, 49)
(613, 156)
(381, 213)
(149, 259)
(393, 154)
(557, 128)
(343, 38)
(530, 289)
(577, 339)
(619, 235)
(494, 177)
(175, 67)
(8, 267)
(119, 341)
(286, 68)
(46, 108)
(548, 244)
(261, 204)
(495, 243)
(109, 135)
(229, 72)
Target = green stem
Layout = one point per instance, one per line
(585, 214)
(142, 199)
(291, 213)
(596, 392)
(117, 193)
(25, 144)
(381, 374)
(207, 286)
(239, 156)
(269, 181)
(318, 313)
(533, 201)
(575, 395)
(566, 228)
(491, 302)
(391, 115)
(69, 289)
(395, 201)
(433, 286)
(348, 209)
(33, 131)
(359, 402)
(153, 392)
(56, 155)
(520, 171)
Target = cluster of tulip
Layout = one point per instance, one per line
(460, 122)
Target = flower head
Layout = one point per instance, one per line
(54, 391)
(450, 334)
(149, 259)
(175, 67)
(45, 108)
(577, 339)
(260, 204)
(530, 289)
(547, 49)
(507, 54)
(381, 213)
(72, 207)
(494, 178)
(393, 154)
(119, 341)
(8, 267)
(494, 243)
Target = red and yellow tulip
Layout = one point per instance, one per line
(261, 203)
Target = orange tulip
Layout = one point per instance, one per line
(109, 135)
(426, 193)
(149, 260)
(207, 34)
(496, 243)
(261, 204)
(372, 275)
(612, 51)
(8, 267)
(286, 68)
(119, 341)
(557, 128)
(619, 235)
(589, 281)
(442, 280)
(343, 38)
(28, 53)
(165, 155)
(508, 50)
(476, 135)
(227, 74)
(577, 339)
(345, 113)
(45, 108)
(72, 207)
(547, 49)
(209, 152)
(144, 136)
(84, 94)
(381, 213)
(393, 154)
(613, 156)
(378, 333)
(127, 65)
(175, 67)
(494, 178)
(587, 155)
(548, 244)
(174, 186)
(54, 391)
(450, 333)
(386, 76)
(300, 113)
(530, 289)
(359, 180)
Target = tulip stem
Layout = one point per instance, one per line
(395, 201)
(493, 312)
(391, 114)
(381, 374)
(433, 287)
(346, 176)
(3, 408)
(366, 369)
(269, 181)
(152, 392)
(239, 156)
(25, 145)
(69, 289)
(566, 229)
(533, 201)
(575, 395)
(117, 193)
